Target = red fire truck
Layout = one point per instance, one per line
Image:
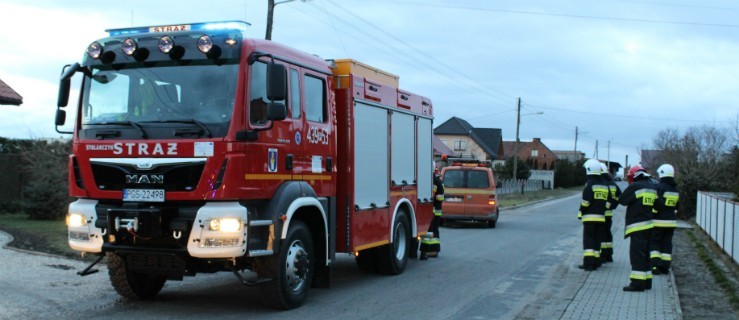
(198, 150)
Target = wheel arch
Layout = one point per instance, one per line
(404, 205)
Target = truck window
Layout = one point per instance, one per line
(294, 94)
(315, 99)
(107, 99)
(454, 179)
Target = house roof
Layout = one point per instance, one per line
(9, 96)
(440, 148)
(488, 139)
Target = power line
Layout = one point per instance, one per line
(680, 5)
(567, 15)
(629, 117)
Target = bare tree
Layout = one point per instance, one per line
(702, 160)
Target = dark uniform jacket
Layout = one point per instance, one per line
(665, 207)
(438, 195)
(639, 197)
(615, 194)
(594, 200)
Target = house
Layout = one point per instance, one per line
(468, 141)
(440, 148)
(535, 152)
(9, 96)
(569, 155)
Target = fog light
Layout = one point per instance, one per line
(94, 50)
(220, 242)
(205, 43)
(230, 42)
(225, 225)
(76, 220)
(128, 46)
(166, 44)
(79, 236)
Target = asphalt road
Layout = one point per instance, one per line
(522, 269)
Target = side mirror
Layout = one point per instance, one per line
(276, 82)
(65, 82)
(61, 117)
(276, 111)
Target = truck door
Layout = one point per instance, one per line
(319, 136)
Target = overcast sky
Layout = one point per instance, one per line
(620, 71)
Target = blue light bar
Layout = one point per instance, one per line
(205, 26)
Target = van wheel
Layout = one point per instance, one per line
(393, 257)
(491, 224)
(132, 285)
(291, 270)
(441, 222)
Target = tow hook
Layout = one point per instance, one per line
(87, 270)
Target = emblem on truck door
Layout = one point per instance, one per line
(272, 160)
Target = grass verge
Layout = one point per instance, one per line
(517, 199)
(716, 271)
(49, 236)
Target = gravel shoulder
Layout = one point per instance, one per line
(700, 296)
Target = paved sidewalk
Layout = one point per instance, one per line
(601, 295)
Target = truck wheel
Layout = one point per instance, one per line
(366, 260)
(132, 285)
(291, 270)
(393, 257)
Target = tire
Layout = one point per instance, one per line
(291, 269)
(366, 261)
(491, 224)
(132, 285)
(393, 257)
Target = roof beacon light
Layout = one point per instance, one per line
(205, 43)
(128, 46)
(208, 26)
(166, 44)
(95, 50)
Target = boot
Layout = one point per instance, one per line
(656, 271)
(423, 256)
(664, 270)
(632, 287)
(648, 284)
(587, 267)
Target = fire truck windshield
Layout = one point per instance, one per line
(161, 96)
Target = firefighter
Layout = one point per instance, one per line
(606, 245)
(639, 198)
(593, 214)
(665, 220)
(430, 243)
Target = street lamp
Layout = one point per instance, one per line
(270, 13)
(515, 148)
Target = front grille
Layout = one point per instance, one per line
(177, 177)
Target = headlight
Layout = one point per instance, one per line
(166, 44)
(76, 220)
(225, 225)
(94, 50)
(128, 46)
(205, 43)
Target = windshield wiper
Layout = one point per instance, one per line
(192, 121)
(126, 123)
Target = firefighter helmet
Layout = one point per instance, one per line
(603, 168)
(666, 170)
(637, 171)
(592, 167)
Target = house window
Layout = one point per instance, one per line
(534, 153)
(460, 145)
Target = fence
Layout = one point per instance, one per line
(514, 186)
(716, 214)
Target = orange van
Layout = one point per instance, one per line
(469, 193)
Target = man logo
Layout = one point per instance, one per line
(145, 178)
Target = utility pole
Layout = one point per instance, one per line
(574, 159)
(515, 148)
(608, 158)
(271, 4)
(595, 154)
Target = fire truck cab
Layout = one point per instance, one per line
(198, 150)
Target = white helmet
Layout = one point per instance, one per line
(592, 167)
(666, 170)
(603, 168)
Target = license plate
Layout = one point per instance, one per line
(143, 195)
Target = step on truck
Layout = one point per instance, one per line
(198, 150)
